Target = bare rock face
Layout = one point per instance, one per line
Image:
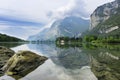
(5, 54)
(104, 12)
(22, 63)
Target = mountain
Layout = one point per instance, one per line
(69, 27)
(6, 38)
(105, 19)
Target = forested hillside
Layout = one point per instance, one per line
(6, 38)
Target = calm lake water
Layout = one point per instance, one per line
(73, 63)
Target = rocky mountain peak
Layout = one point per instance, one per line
(69, 27)
(104, 12)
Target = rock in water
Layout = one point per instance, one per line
(5, 54)
(23, 63)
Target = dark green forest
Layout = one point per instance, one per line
(6, 38)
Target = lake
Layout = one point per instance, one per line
(86, 62)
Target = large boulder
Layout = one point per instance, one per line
(22, 63)
(5, 54)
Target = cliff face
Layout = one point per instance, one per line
(104, 12)
(69, 26)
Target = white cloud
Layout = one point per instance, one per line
(21, 31)
(72, 8)
(2, 27)
(41, 11)
(37, 9)
(32, 9)
(91, 5)
(82, 8)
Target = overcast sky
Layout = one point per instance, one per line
(23, 18)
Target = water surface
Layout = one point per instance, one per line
(73, 63)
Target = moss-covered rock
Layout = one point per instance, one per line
(5, 54)
(23, 63)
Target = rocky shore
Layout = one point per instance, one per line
(5, 55)
(19, 64)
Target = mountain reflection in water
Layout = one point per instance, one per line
(63, 64)
(75, 63)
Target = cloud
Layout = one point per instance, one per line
(81, 8)
(91, 5)
(73, 8)
(13, 21)
(18, 27)
(34, 10)
(20, 31)
(39, 10)
(24, 18)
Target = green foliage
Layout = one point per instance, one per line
(103, 39)
(68, 40)
(89, 38)
(6, 38)
(60, 41)
(114, 20)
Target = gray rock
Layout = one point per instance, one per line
(22, 63)
(5, 54)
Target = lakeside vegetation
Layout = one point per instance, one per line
(88, 39)
(91, 46)
(6, 38)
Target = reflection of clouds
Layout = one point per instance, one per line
(50, 71)
(53, 70)
(22, 47)
(5, 77)
(72, 58)
(69, 58)
(48, 50)
(25, 47)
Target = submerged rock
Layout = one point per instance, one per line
(105, 69)
(22, 63)
(5, 54)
